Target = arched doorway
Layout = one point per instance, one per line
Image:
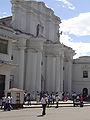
(85, 93)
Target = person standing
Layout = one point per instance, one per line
(38, 97)
(44, 103)
(53, 96)
(3, 106)
(9, 102)
(81, 101)
(57, 100)
(28, 98)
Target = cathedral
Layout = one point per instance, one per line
(32, 57)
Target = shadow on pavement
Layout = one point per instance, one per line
(40, 115)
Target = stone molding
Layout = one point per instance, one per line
(35, 44)
(53, 49)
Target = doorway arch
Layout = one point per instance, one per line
(85, 93)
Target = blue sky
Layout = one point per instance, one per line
(75, 16)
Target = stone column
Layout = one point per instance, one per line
(21, 43)
(33, 65)
(50, 73)
(69, 76)
(57, 74)
(7, 81)
(21, 67)
(61, 74)
(38, 71)
(53, 52)
(53, 73)
(31, 71)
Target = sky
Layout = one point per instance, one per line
(75, 25)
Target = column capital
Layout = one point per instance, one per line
(21, 47)
(21, 42)
(53, 49)
(35, 44)
(62, 55)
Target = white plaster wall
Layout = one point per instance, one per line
(78, 82)
(51, 31)
(56, 31)
(23, 21)
(27, 15)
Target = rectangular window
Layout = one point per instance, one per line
(85, 74)
(3, 46)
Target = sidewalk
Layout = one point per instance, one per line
(61, 113)
(68, 103)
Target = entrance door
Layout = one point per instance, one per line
(2, 85)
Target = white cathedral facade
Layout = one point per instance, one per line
(32, 57)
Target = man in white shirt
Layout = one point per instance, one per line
(44, 103)
(3, 103)
(57, 100)
(9, 100)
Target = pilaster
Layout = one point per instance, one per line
(57, 78)
(50, 74)
(21, 44)
(33, 65)
(69, 76)
(38, 72)
(7, 81)
(61, 73)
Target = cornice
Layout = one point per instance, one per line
(53, 49)
(6, 32)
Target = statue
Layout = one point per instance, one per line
(39, 30)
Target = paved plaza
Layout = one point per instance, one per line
(61, 113)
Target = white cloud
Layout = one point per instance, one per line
(79, 26)
(3, 14)
(69, 5)
(81, 49)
